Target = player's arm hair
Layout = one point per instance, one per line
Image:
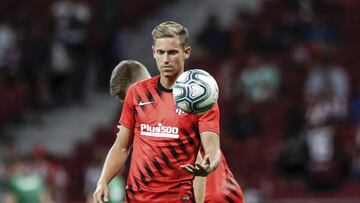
(199, 184)
(117, 155)
(211, 144)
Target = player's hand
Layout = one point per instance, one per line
(101, 193)
(199, 169)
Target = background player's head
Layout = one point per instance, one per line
(125, 74)
(170, 48)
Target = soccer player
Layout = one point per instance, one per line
(221, 186)
(165, 140)
(126, 73)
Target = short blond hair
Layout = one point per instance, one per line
(170, 29)
(125, 74)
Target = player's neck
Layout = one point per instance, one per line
(167, 83)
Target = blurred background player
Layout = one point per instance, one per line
(126, 73)
(220, 185)
(161, 161)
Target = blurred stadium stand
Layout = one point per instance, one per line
(266, 141)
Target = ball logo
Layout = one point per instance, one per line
(159, 131)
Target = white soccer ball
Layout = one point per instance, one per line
(195, 91)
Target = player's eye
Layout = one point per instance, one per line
(173, 52)
(161, 52)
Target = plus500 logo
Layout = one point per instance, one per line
(159, 131)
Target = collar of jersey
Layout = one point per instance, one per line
(162, 88)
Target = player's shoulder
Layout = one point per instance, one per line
(147, 83)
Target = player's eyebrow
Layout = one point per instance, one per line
(171, 52)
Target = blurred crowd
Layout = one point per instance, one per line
(31, 177)
(48, 47)
(289, 92)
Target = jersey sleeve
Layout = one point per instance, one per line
(210, 121)
(127, 118)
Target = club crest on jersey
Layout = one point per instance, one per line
(159, 131)
(178, 111)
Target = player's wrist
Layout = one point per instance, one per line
(213, 166)
(102, 182)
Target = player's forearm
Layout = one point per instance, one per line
(114, 161)
(211, 144)
(214, 157)
(199, 185)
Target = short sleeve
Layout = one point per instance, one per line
(210, 121)
(127, 118)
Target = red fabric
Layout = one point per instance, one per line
(164, 139)
(221, 185)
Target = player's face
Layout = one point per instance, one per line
(170, 56)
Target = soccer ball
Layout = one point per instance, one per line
(195, 91)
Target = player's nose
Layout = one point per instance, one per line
(166, 58)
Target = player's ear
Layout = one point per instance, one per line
(153, 50)
(187, 52)
(120, 99)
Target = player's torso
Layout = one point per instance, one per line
(165, 138)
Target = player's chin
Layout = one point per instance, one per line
(167, 69)
(167, 74)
